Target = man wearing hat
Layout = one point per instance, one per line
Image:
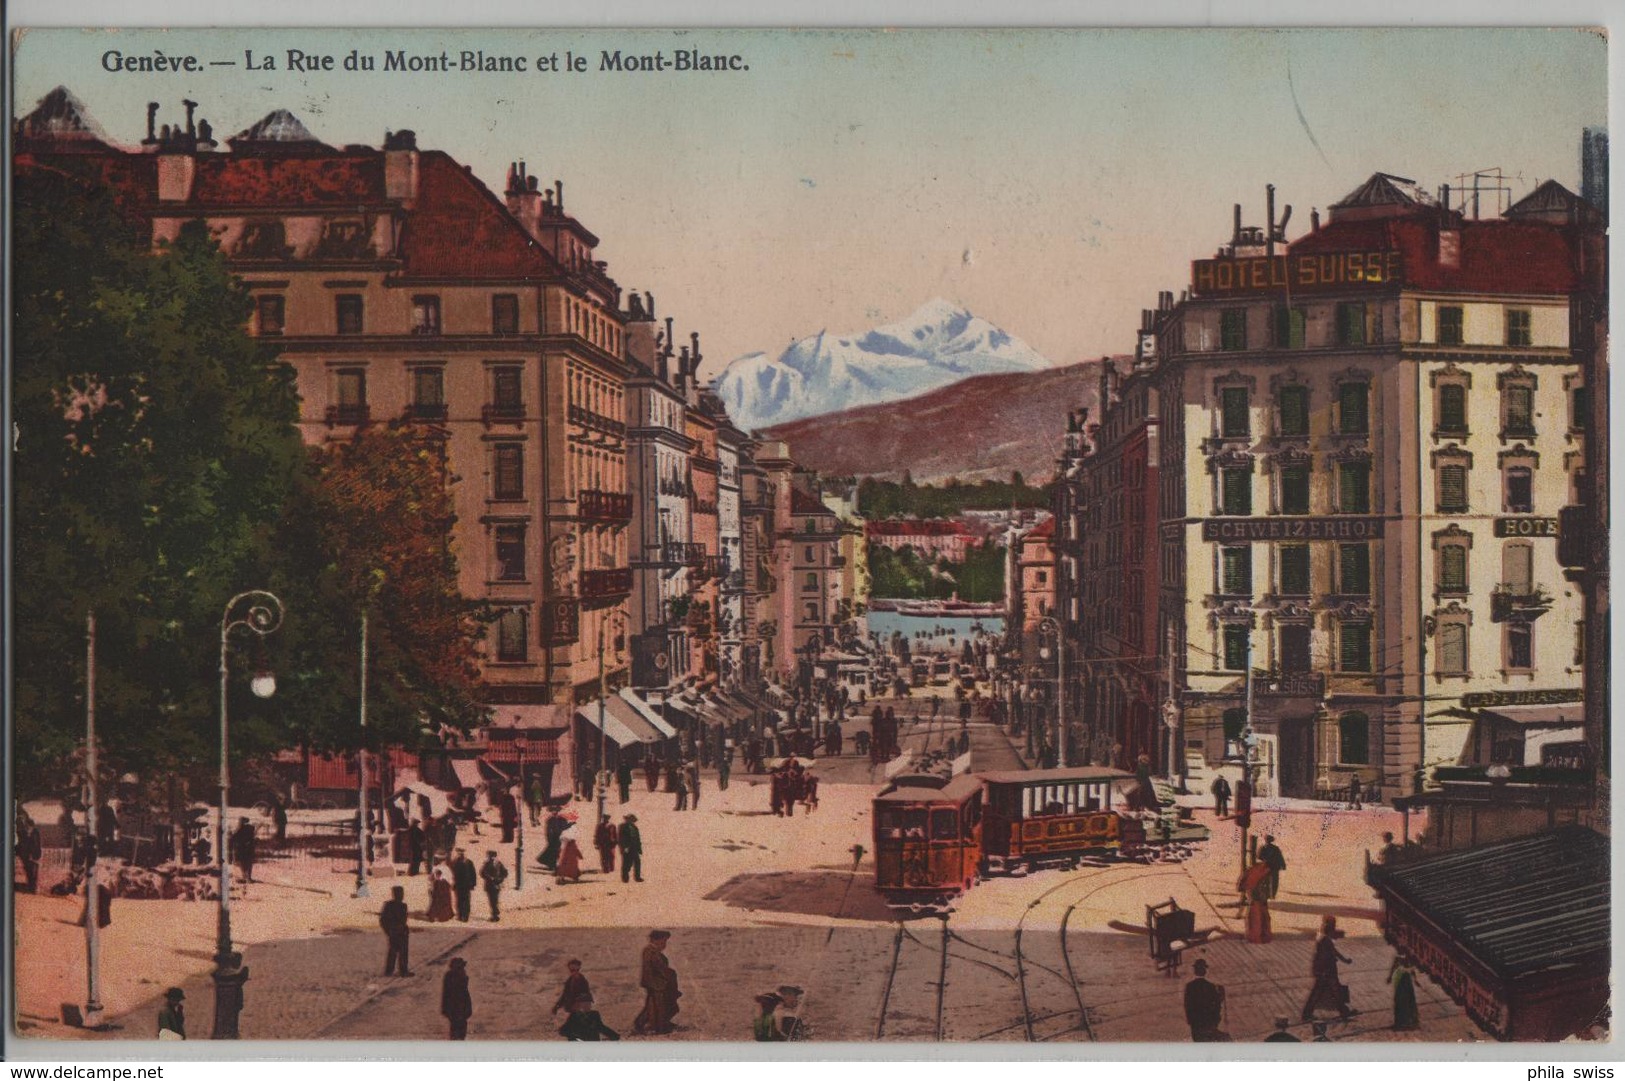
(790, 1020)
(586, 1023)
(1204, 1007)
(392, 919)
(456, 1005)
(631, 844)
(172, 1018)
(659, 983)
(767, 1026)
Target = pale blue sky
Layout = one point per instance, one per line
(1051, 181)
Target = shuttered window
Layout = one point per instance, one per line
(1237, 492)
(1453, 488)
(1351, 323)
(1295, 570)
(1233, 329)
(1289, 327)
(1293, 403)
(1235, 647)
(1516, 564)
(1237, 571)
(1354, 569)
(1295, 489)
(1354, 487)
(1233, 420)
(1453, 409)
(1352, 408)
(1452, 648)
(1354, 647)
(1453, 568)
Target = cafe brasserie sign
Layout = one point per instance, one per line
(1305, 272)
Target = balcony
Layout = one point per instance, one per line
(348, 414)
(1290, 685)
(1507, 604)
(734, 582)
(422, 412)
(507, 411)
(599, 584)
(599, 506)
(682, 554)
(716, 566)
(597, 422)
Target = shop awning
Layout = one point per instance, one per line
(438, 802)
(647, 712)
(467, 772)
(1569, 716)
(621, 723)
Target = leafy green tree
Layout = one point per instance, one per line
(154, 445)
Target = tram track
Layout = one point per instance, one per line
(889, 1009)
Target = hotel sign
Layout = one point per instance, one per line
(1307, 272)
(1291, 529)
(1526, 526)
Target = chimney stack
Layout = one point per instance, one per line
(649, 302)
(558, 196)
(401, 166)
(1314, 219)
(524, 199)
(152, 119)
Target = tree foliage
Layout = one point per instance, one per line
(906, 574)
(154, 446)
(905, 499)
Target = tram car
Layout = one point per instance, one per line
(935, 836)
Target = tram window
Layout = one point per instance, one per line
(914, 825)
(891, 825)
(945, 825)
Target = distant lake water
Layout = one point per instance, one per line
(960, 627)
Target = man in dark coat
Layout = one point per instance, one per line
(493, 874)
(623, 779)
(586, 1023)
(575, 987)
(1221, 796)
(243, 843)
(29, 850)
(1328, 991)
(832, 739)
(1204, 1007)
(279, 819)
(556, 825)
(693, 785)
(455, 1004)
(1269, 854)
(651, 773)
(393, 922)
(414, 848)
(725, 765)
(660, 993)
(172, 1018)
(631, 844)
(463, 880)
(604, 839)
(508, 812)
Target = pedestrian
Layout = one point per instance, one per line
(1328, 992)
(569, 868)
(455, 1004)
(493, 874)
(172, 1018)
(631, 845)
(1254, 887)
(651, 772)
(811, 784)
(107, 828)
(202, 850)
(860, 742)
(463, 880)
(775, 791)
(1281, 1035)
(243, 842)
(1355, 789)
(508, 815)
(1204, 1007)
(575, 987)
(1269, 854)
(556, 825)
(604, 839)
(693, 785)
(623, 778)
(30, 850)
(1221, 796)
(1402, 974)
(659, 982)
(1390, 853)
(392, 919)
(766, 1026)
(679, 786)
(534, 799)
(586, 1023)
(725, 765)
(440, 903)
(279, 819)
(790, 1023)
(414, 847)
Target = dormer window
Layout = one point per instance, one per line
(344, 239)
(426, 315)
(263, 240)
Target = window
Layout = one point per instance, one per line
(1351, 323)
(1236, 490)
(1235, 647)
(426, 315)
(1354, 739)
(1289, 327)
(348, 310)
(1453, 409)
(509, 479)
(1520, 498)
(1294, 489)
(1237, 571)
(1235, 722)
(1354, 647)
(1354, 487)
(271, 311)
(344, 240)
(428, 394)
(1453, 568)
(1354, 569)
(510, 545)
(1452, 489)
(1518, 412)
(1233, 328)
(1353, 400)
(811, 584)
(1294, 647)
(505, 314)
(505, 391)
(1520, 646)
(1452, 649)
(1292, 404)
(1295, 570)
(1518, 327)
(1450, 326)
(511, 644)
(351, 387)
(1233, 419)
(945, 825)
(811, 614)
(1517, 565)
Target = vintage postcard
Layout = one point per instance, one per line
(1037, 537)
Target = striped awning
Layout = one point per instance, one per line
(648, 713)
(621, 724)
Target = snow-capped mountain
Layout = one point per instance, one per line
(939, 344)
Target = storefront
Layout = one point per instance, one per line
(1517, 932)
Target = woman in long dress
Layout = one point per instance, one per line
(440, 906)
(569, 869)
(1403, 976)
(1328, 992)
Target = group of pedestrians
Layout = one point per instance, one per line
(790, 783)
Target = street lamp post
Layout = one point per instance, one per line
(261, 612)
(362, 834)
(519, 823)
(602, 779)
(1048, 625)
(93, 1005)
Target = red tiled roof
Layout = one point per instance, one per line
(304, 179)
(802, 503)
(460, 229)
(1043, 530)
(913, 528)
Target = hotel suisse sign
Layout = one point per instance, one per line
(1306, 272)
(1292, 529)
(1526, 526)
